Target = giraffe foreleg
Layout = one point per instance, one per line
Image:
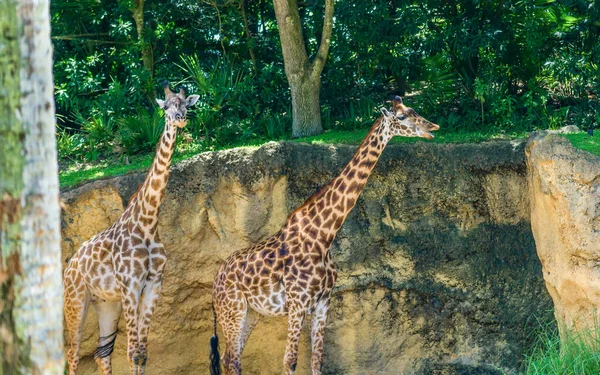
(130, 300)
(296, 315)
(319, 320)
(149, 299)
(76, 302)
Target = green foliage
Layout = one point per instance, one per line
(98, 132)
(471, 66)
(141, 131)
(577, 354)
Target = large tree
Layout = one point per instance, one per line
(304, 76)
(31, 318)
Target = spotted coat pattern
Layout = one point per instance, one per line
(121, 268)
(291, 273)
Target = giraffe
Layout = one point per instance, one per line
(291, 273)
(121, 268)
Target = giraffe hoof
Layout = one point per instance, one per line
(139, 360)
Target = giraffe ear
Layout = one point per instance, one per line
(161, 103)
(385, 112)
(191, 100)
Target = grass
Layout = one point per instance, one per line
(585, 142)
(578, 355)
(77, 174)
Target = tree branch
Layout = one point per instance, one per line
(323, 51)
(295, 58)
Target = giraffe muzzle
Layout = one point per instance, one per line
(180, 123)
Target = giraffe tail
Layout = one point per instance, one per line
(215, 357)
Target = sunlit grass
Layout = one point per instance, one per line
(585, 142)
(77, 174)
(355, 137)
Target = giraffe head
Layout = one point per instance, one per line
(404, 121)
(176, 105)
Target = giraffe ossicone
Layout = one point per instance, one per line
(121, 268)
(291, 273)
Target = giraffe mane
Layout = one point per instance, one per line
(143, 182)
(323, 189)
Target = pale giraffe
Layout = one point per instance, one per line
(121, 268)
(291, 273)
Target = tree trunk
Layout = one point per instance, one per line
(147, 57)
(31, 315)
(242, 7)
(306, 110)
(304, 76)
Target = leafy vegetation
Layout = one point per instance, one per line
(490, 67)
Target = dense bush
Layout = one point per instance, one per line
(484, 66)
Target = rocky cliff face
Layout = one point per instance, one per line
(565, 218)
(437, 266)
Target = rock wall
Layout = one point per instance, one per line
(565, 219)
(437, 266)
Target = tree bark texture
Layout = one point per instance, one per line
(137, 12)
(31, 315)
(304, 76)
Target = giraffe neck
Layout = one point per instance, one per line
(322, 215)
(146, 203)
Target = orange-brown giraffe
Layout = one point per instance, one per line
(291, 273)
(122, 267)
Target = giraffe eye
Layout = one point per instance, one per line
(401, 117)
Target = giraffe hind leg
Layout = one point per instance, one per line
(76, 302)
(108, 313)
(250, 322)
(232, 324)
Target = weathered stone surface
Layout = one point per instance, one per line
(437, 267)
(565, 218)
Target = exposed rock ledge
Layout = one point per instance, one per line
(438, 272)
(565, 218)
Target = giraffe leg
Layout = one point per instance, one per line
(108, 313)
(149, 299)
(296, 317)
(150, 294)
(250, 322)
(76, 302)
(232, 324)
(319, 319)
(131, 300)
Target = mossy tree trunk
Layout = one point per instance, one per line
(31, 315)
(303, 75)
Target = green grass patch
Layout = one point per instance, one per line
(355, 137)
(584, 141)
(76, 174)
(577, 355)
